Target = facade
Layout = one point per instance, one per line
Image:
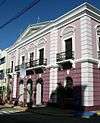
(66, 51)
(3, 82)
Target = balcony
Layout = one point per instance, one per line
(9, 70)
(65, 56)
(99, 55)
(36, 63)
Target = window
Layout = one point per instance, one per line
(1, 74)
(2, 60)
(11, 66)
(23, 59)
(99, 43)
(41, 56)
(31, 56)
(68, 48)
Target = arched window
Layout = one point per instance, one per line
(68, 43)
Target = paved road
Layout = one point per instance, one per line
(27, 117)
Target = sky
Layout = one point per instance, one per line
(46, 10)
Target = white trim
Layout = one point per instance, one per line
(43, 47)
(86, 65)
(73, 42)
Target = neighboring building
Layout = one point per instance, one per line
(3, 84)
(65, 50)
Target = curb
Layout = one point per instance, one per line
(70, 114)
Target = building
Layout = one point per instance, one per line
(3, 82)
(65, 50)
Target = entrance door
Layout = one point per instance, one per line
(38, 94)
(41, 56)
(68, 48)
(29, 91)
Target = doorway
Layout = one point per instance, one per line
(29, 90)
(39, 91)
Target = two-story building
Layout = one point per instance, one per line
(65, 50)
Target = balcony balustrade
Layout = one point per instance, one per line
(9, 70)
(32, 64)
(36, 63)
(62, 56)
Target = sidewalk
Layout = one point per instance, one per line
(10, 107)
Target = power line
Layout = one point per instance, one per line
(20, 13)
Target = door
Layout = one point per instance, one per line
(68, 48)
(41, 56)
(38, 94)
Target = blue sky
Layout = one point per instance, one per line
(45, 9)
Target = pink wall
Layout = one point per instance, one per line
(96, 83)
(75, 74)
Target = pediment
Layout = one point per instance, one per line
(30, 30)
(25, 34)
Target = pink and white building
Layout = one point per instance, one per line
(50, 52)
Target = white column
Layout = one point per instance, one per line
(86, 67)
(53, 52)
(14, 85)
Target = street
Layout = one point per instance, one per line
(28, 117)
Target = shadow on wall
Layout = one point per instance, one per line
(68, 97)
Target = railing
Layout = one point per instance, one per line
(9, 70)
(99, 55)
(31, 64)
(36, 63)
(65, 56)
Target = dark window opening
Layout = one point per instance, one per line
(31, 56)
(2, 60)
(41, 56)
(68, 48)
(11, 66)
(1, 74)
(99, 43)
(23, 59)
